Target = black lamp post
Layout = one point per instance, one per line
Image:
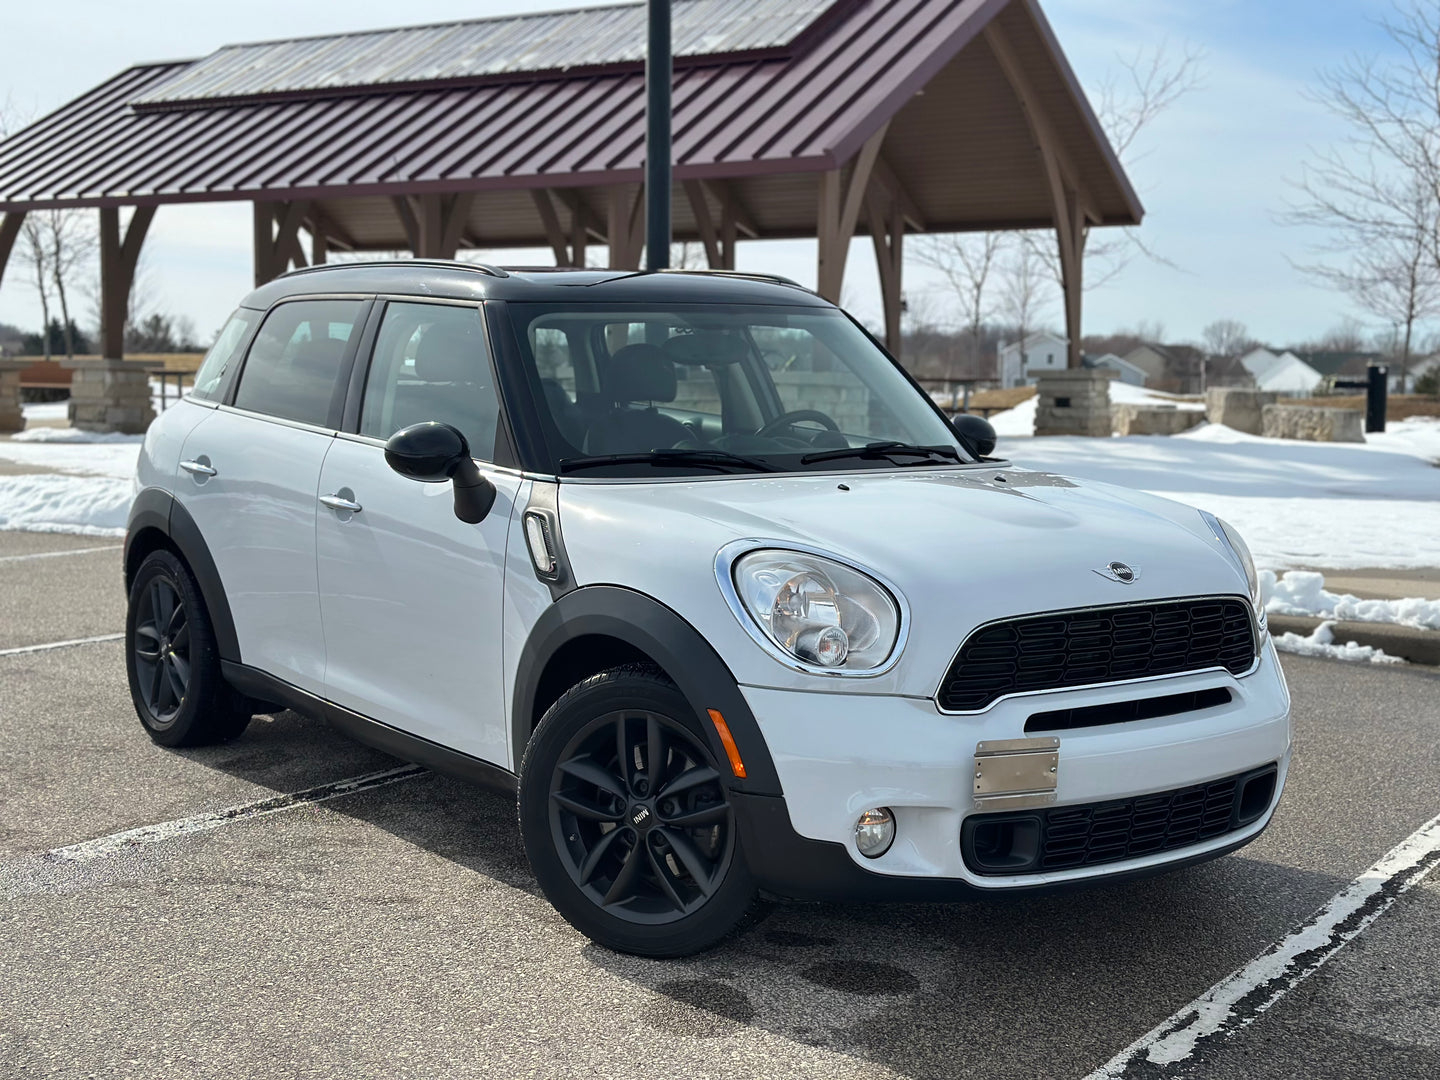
(658, 68)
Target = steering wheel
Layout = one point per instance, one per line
(797, 416)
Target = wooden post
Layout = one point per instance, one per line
(841, 197)
(1072, 209)
(9, 231)
(119, 254)
(887, 230)
(625, 228)
(277, 238)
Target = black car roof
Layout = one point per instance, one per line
(475, 281)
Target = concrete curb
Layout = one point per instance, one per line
(1417, 646)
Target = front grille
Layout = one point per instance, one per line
(1070, 837)
(1098, 645)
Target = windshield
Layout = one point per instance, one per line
(706, 389)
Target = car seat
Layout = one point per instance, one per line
(634, 379)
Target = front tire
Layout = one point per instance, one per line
(626, 819)
(172, 662)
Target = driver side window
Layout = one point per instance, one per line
(431, 362)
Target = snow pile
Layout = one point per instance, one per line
(1322, 643)
(1015, 422)
(113, 456)
(1297, 504)
(1303, 592)
(72, 435)
(1123, 393)
(45, 410)
(88, 505)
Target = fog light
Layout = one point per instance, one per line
(875, 832)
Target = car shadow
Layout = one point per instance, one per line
(986, 988)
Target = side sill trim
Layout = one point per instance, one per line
(382, 737)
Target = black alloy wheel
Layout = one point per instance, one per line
(171, 660)
(640, 817)
(627, 820)
(162, 650)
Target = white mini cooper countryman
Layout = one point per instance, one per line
(691, 565)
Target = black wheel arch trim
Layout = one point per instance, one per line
(681, 651)
(156, 508)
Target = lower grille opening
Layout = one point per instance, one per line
(1071, 837)
(1122, 712)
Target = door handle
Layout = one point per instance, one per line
(339, 502)
(197, 468)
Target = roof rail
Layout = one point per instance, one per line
(444, 264)
(753, 275)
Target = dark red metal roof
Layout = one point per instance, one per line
(735, 117)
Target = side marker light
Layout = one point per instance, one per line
(728, 741)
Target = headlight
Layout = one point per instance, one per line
(1233, 540)
(819, 614)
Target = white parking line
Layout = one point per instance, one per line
(103, 846)
(1239, 1000)
(58, 554)
(61, 644)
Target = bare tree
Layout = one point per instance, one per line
(967, 262)
(1225, 338)
(1025, 288)
(71, 244)
(1376, 194)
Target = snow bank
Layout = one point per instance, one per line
(72, 435)
(46, 410)
(89, 505)
(1297, 504)
(111, 456)
(1322, 643)
(1303, 592)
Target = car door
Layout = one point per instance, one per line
(251, 474)
(410, 596)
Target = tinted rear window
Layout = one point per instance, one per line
(293, 370)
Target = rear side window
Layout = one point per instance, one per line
(293, 370)
(210, 379)
(432, 363)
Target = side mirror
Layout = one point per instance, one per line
(976, 431)
(433, 453)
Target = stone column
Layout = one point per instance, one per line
(111, 395)
(1238, 408)
(1075, 401)
(11, 418)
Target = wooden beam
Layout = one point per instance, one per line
(335, 234)
(550, 220)
(705, 225)
(119, 256)
(885, 173)
(287, 235)
(887, 230)
(408, 221)
(625, 227)
(319, 246)
(841, 198)
(456, 217)
(724, 193)
(9, 231)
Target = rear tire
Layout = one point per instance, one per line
(626, 819)
(172, 662)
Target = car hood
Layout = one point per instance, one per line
(962, 546)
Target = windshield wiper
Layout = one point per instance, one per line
(883, 450)
(711, 459)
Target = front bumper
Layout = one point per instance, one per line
(838, 754)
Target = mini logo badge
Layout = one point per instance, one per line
(640, 817)
(1119, 571)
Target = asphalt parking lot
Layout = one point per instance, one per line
(397, 931)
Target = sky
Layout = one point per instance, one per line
(1214, 171)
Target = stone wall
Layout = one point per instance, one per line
(1154, 419)
(11, 418)
(1314, 424)
(1073, 402)
(111, 395)
(1237, 408)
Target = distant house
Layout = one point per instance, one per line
(1334, 364)
(1283, 373)
(1021, 363)
(1419, 365)
(1173, 368)
(1125, 371)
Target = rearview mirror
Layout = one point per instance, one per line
(976, 431)
(432, 453)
